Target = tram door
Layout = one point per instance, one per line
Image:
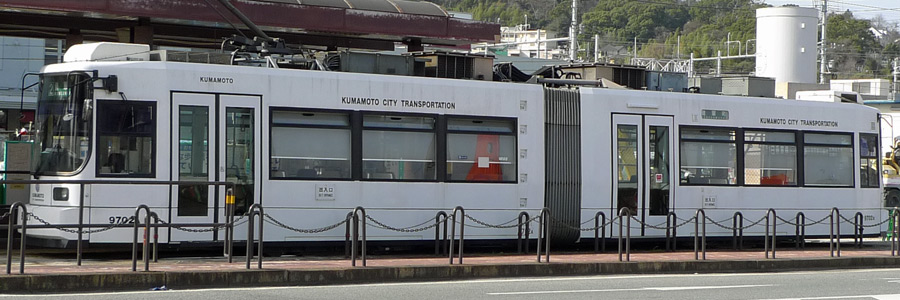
(214, 138)
(642, 169)
(239, 148)
(193, 132)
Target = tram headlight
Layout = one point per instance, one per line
(60, 194)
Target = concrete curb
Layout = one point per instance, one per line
(280, 277)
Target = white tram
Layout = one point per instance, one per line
(312, 145)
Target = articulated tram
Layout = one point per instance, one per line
(309, 146)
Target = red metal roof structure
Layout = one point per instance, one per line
(367, 24)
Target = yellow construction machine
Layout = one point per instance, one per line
(890, 177)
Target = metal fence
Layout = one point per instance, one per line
(357, 221)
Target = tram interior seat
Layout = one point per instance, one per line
(307, 173)
(115, 162)
(380, 175)
(694, 179)
(331, 174)
(777, 179)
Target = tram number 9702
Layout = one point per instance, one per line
(121, 220)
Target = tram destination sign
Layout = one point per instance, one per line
(406, 103)
(710, 114)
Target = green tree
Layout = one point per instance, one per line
(849, 44)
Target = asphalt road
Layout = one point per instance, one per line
(832, 284)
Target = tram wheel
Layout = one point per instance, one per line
(892, 199)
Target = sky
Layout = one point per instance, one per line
(864, 9)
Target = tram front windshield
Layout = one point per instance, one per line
(63, 124)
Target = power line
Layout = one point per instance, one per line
(866, 6)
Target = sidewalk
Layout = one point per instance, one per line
(47, 275)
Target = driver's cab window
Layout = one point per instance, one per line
(126, 131)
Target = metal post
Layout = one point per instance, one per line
(261, 243)
(822, 43)
(697, 238)
(771, 216)
(255, 210)
(155, 236)
(145, 252)
(894, 231)
(229, 227)
(858, 230)
(462, 223)
(545, 232)
(347, 240)
(80, 224)
(137, 222)
(14, 211)
(719, 63)
(800, 231)
(249, 246)
(356, 228)
(441, 216)
(627, 213)
(599, 226)
(831, 236)
(737, 231)
(671, 231)
(523, 224)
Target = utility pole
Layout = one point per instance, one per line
(823, 62)
(573, 31)
(634, 49)
(896, 73)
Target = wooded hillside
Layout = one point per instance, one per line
(703, 25)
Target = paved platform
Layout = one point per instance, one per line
(58, 273)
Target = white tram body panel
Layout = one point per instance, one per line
(397, 204)
(604, 109)
(238, 109)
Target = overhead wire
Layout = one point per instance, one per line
(225, 18)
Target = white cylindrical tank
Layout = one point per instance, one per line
(786, 39)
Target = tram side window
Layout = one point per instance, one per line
(868, 161)
(310, 145)
(770, 158)
(708, 156)
(481, 150)
(398, 148)
(828, 159)
(126, 131)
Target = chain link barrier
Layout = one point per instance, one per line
(408, 229)
(592, 228)
(74, 231)
(820, 221)
(848, 221)
(504, 225)
(661, 226)
(271, 220)
(785, 221)
(719, 223)
(481, 224)
(236, 222)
